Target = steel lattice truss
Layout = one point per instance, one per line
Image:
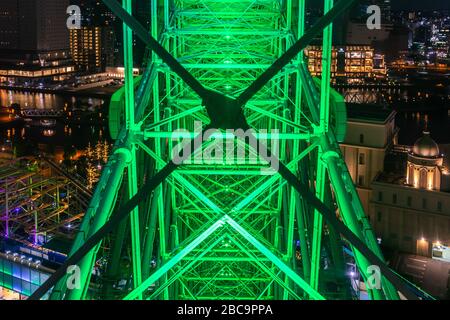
(36, 203)
(225, 230)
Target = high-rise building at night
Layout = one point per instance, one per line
(391, 40)
(386, 10)
(86, 48)
(109, 50)
(359, 34)
(34, 40)
(99, 28)
(360, 12)
(142, 12)
(308, 189)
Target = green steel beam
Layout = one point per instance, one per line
(172, 262)
(132, 167)
(247, 50)
(276, 261)
(323, 127)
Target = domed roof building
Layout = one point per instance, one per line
(425, 164)
(426, 146)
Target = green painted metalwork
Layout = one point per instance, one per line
(116, 115)
(225, 230)
(324, 120)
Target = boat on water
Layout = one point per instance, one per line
(47, 122)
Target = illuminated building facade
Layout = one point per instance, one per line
(412, 213)
(96, 14)
(440, 36)
(34, 41)
(351, 64)
(371, 135)
(430, 38)
(401, 187)
(221, 231)
(425, 164)
(409, 219)
(86, 48)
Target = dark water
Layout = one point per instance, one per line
(412, 125)
(27, 139)
(31, 100)
(418, 108)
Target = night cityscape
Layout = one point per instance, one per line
(323, 171)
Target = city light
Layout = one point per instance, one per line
(110, 188)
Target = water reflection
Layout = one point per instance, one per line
(377, 95)
(418, 108)
(26, 139)
(413, 123)
(59, 141)
(34, 100)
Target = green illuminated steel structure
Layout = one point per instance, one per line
(226, 230)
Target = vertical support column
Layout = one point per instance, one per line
(289, 222)
(287, 195)
(6, 208)
(157, 118)
(31, 208)
(132, 169)
(58, 203)
(36, 227)
(300, 205)
(294, 198)
(167, 44)
(323, 128)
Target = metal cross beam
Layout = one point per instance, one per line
(206, 47)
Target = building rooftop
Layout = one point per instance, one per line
(391, 178)
(368, 112)
(395, 171)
